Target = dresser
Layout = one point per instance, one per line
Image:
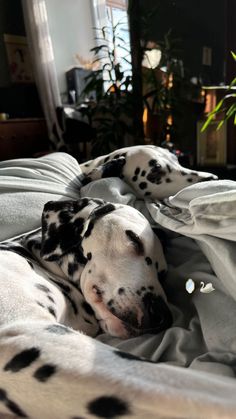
(23, 137)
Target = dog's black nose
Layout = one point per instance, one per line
(157, 315)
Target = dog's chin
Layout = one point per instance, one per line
(114, 327)
(118, 328)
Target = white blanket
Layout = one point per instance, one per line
(194, 374)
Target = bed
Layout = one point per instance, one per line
(193, 364)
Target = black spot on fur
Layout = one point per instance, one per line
(143, 173)
(121, 291)
(106, 159)
(148, 260)
(157, 265)
(51, 299)
(58, 329)
(152, 162)
(72, 268)
(43, 373)
(137, 171)
(87, 307)
(89, 229)
(79, 256)
(22, 360)
(168, 168)
(108, 407)
(103, 210)
(42, 287)
(183, 173)
(113, 168)
(40, 304)
(110, 303)
(143, 185)
(134, 178)
(52, 311)
(189, 179)
(11, 405)
(3, 395)
(64, 235)
(138, 245)
(168, 180)
(64, 216)
(147, 193)
(155, 174)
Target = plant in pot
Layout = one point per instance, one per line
(111, 113)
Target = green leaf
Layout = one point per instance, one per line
(233, 55)
(233, 82)
(208, 121)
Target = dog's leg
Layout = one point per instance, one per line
(111, 168)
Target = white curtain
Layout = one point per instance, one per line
(99, 13)
(39, 40)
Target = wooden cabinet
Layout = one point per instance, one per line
(22, 138)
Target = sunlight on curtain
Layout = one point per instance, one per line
(39, 40)
(41, 20)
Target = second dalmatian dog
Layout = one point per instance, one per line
(153, 172)
(100, 258)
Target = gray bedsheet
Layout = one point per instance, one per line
(200, 229)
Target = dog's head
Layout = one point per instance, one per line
(121, 258)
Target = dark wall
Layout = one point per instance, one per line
(18, 100)
(197, 23)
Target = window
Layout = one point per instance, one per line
(116, 11)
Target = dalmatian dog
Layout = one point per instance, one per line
(153, 172)
(95, 265)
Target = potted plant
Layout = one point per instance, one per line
(111, 113)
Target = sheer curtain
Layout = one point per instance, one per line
(99, 13)
(39, 40)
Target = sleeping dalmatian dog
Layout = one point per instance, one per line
(153, 172)
(96, 265)
(111, 255)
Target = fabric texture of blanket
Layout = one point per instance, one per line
(195, 359)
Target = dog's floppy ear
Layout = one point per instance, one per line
(63, 225)
(66, 223)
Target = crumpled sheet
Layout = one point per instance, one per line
(194, 374)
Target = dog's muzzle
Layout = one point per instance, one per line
(156, 317)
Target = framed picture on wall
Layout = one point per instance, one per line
(18, 59)
(211, 144)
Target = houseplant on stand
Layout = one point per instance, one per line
(111, 113)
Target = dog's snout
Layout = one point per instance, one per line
(157, 315)
(151, 315)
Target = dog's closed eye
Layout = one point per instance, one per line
(136, 242)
